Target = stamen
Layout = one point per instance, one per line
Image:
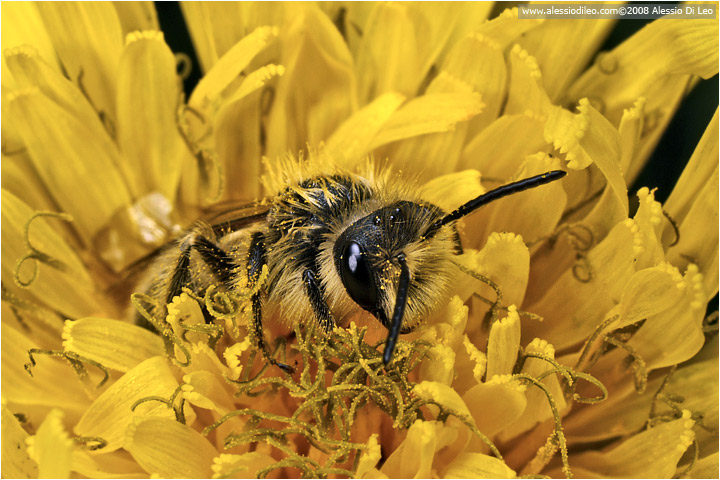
(75, 360)
(36, 254)
(169, 402)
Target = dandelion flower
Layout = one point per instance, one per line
(575, 341)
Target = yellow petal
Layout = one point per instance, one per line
(693, 206)
(68, 288)
(438, 365)
(522, 135)
(110, 414)
(20, 178)
(78, 168)
(12, 145)
(90, 465)
(675, 335)
(88, 39)
(506, 27)
(452, 190)
(257, 80)
(351, 140)
(478, 61)
(538, 408)
(601, 143)
(233, 357)
(470, 16)
(496, 404)
(170, 449)
(216, 26)
(16, 463)
(639, 66)
(30, 70)
(421, 154)
(51, 447)
(433, 113)
(449, 323)
(147, 130)
(23, 26)
(503, 344)
(626, 412)
(229, 67)
(414, 457)
(563, 49)
(535, 212)
(478, 465)
(399, 44)
(241, 466)
(571, 318)
(115, 344)
(135, 16)
(211, 36)
(505, 260)
(184, 310)
(649, 292)
(696, 173)
(203, 389)
(205, 359)
(239, 151)
(306, 111)
(652, 453)
(585, 138)
(369, 459)
(706, 467)
(699, 236)
(605, 214)
(443, 395)
(41, 391)
(631, 130)
(658, 63)
(476, 356)
(525, 92)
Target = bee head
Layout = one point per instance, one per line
(377, 256)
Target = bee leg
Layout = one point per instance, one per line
(316, 295)
(255, 262)
(181, 275)
(217, 259)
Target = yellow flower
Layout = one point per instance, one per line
(574, 343)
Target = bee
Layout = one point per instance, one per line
(332, 241)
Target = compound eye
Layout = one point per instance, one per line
(357, 277)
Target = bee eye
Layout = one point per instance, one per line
(357, 277)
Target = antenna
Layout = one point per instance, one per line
(500, 192)
(400, 302)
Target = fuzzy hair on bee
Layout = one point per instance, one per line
(333, 242)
